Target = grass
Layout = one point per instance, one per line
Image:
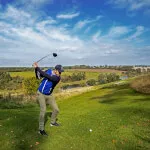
(25, 74)
(28, 74)
(118, 116)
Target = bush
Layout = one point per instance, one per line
(76, 76)
(5, 78)
(102, 78)
(30, 85)
(66, 78)
(142, 84)
(112, 77)
(107, 78)
(10, 83)
(91, 82)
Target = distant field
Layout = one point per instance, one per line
(99, 70)
(26, 74)
(90, 73)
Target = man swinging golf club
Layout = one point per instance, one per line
(50, 79)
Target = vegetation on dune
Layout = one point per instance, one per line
(142, 84)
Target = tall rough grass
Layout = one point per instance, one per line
(142, 84)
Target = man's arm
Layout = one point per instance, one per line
(44, 74)
(37, 74)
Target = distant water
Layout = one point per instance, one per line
(123, 77)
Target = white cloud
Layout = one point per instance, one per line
(139, 31)
(99, 17)
(82, 23)
(27, 43)
(47, 21)
(68, 15)
(16, 16)
(14, 13)
(139, 4)
(118, 31)
(96, 36)
(88, 29)
(38, 38)
(34, 3)
(112, 51)
(131, 5)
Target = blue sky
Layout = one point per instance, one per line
(90, 32)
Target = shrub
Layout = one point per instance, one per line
(107, 78)
(66, 78)
(5, 78)
(112, 77)
(91, 82)
(30, 85)
(102, 78)
(76, 76)
(142, 84)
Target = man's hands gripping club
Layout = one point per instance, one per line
(35, 64)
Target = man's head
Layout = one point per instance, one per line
(58, 69)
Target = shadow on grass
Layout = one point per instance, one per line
(114, 96)
(19, 128)
(120, 94)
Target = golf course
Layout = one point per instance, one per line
(74, 75)
(108, 117)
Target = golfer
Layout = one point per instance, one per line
(50, 79)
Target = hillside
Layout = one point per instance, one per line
(106, 119)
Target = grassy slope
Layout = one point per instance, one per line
(119, 119)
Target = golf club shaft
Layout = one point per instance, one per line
(42, 58)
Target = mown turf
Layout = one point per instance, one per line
(106, 119)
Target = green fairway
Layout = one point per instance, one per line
(25, 74)
(105, 119)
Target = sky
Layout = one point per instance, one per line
(81, 32)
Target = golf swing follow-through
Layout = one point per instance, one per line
(50, 79)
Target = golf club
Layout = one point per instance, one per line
(54, 55)
(37, 73)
